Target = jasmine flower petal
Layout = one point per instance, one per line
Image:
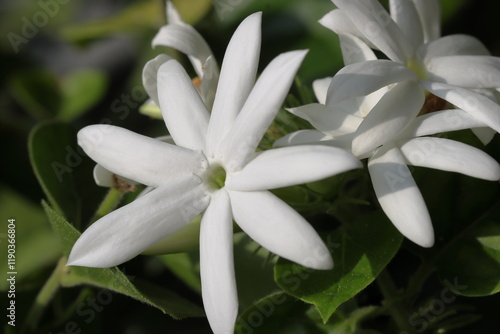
(396, 110)
(354, 50)
(452, 45)
(474, 71)
(477, 105)
(126, 232)
(279, 228)
(450, 155)
(363, 78)
(320, 88)
(406, 16)
(128, 154)
(259, 110)
(236, 80)
(183, 110)
(399, 196)
(288, 166)
(331, 122)
(217, 266)
(187, 40)
(371, 18)
(150, 76)
(484, 134)
(340, 24)
(430, 15)
(441, 121)
(301, 137)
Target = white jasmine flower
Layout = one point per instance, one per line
(391, 136)
(450, 67)
(213, 169)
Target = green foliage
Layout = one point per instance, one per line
(63, 171)
(360, 251)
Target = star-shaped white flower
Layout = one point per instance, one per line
(387, 131)
(451, 67)
(213, 169)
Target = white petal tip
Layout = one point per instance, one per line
(423, 241)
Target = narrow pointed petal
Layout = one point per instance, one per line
(279, 228)
(218, 284)
(237, 78)
(187, 40)
(259, 110)
(320, 88)
(183, 110)
(371, 18)
(395, 111)
(301, 137)
(340, 24)
(466, 71)
(363, 78)
(173, 16)
(430, 15)
(136, 157)
(477, 105)
(452, 45)
(485, 135)
(440, 122)
(331, 122)
(354, 50)
(293, 165)
(406, 16)
(126, 232)
(150, 76)
(450, 155)
(400, 197)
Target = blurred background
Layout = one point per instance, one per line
(79, 62)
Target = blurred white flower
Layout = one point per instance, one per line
(451, 67)
(213, 169)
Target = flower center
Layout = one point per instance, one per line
(417, 67)
(216, 177)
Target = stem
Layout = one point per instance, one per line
(45, 296)
(393, 302)
(108, 204)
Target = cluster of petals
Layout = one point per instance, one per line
(213, 169)
(372, 106)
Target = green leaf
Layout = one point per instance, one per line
(36, 244)
(360, 251)
(346, 322)
(80, 91)
(113, 279)
(470, 266)
(277, 313)
(64, 171)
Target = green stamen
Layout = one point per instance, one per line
(216, 177)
